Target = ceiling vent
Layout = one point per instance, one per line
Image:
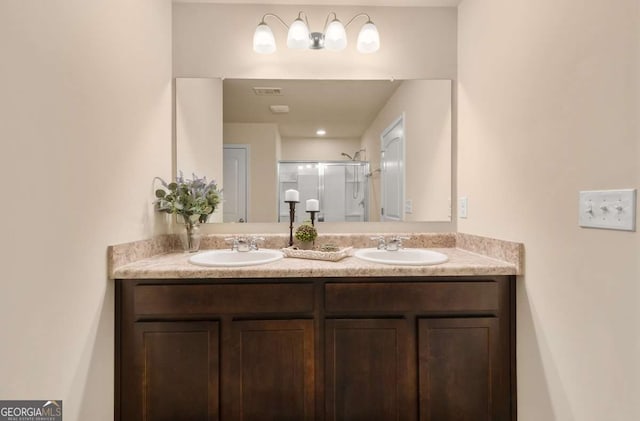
(279, 109)
(267, 91)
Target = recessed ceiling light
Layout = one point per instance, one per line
(321, 132)
(269, 91)
(279, 109)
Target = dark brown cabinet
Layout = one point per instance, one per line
(174, 375)
(460, 370)
(270, 371)
(367, 370)
(428, 349)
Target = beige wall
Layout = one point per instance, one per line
(548, 106)
(263, 140)
(426, 107)
(86, 126)
(199, 131)
(318, 149)
(416, 43)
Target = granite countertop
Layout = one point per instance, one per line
(468, 256)
(176, 265)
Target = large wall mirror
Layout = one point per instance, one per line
(384, 144)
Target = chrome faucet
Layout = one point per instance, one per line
(394, 243)
(244, 243)
(240, 243)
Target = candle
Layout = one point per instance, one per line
(291, 196)
(313, 205)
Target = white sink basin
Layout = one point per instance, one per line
(406, 257)
(228, 258)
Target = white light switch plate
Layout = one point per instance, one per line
(608, 209)
(463, 207)
(408, 206)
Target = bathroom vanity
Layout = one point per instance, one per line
(302, 340)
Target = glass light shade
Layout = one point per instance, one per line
(263, 40)
(298, 36)
(368, 38)
(336, 37)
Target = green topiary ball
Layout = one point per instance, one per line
(306, 232)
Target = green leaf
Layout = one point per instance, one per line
(189, 198)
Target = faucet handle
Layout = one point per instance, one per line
(382, 244)
(233, 241)
(254, 242)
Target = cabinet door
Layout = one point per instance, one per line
(460, 367)
(269, 371)
(367, 370)
(172, 374)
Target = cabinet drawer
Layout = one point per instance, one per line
(409, 296)
(176, 300)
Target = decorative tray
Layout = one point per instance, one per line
(331, 256)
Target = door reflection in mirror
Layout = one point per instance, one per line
(236, 187)
(392, 176)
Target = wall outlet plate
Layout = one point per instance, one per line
(608, 209)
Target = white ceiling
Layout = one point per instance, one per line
(344, 108)
(391, 3)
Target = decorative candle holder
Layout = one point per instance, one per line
(313, 217)
(292, 216)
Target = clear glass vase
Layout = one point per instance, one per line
(191, 235)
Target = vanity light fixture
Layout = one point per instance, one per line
(321, 132)
(333, 37)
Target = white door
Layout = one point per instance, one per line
(392, 176)
(235, 190)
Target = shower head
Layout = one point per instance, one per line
(356, 155)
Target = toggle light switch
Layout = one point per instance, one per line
(608, 209)
(408, 206)
(463, 207)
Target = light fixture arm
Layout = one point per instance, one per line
(300, 15)
(273, 15)
(357, 16)
(326, 21)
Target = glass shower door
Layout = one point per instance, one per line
(340, 186)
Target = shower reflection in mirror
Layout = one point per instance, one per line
(340, 186)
